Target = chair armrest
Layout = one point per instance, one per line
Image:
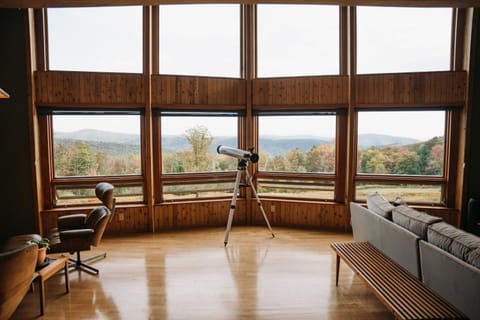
(72, 221)
(76, 233)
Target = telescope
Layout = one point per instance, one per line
(238, 153)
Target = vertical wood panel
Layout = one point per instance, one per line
(182, 90)
(415, 89)
(88, 88)
(331, 90)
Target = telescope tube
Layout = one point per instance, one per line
(238, 153)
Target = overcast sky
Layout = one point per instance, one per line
(292, 40)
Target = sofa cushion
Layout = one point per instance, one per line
(474, 258)
(378, 204)
(413, 220)
(453, 240)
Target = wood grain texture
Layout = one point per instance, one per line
(302, 214)
(415, 89)
(328, 90)
(191, 275)
(63, 88)
(196, 214)
(191, 91)
(184, 215)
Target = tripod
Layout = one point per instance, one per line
(242, 166)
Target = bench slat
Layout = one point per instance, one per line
(403, 294)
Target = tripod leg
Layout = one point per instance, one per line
(232, 205)
(259, 203)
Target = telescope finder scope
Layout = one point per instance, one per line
(238, 153)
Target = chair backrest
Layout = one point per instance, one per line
(16, 271)
(104, 192)
(100, 216)
(98, 220)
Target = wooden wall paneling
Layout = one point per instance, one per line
(411, 89)
(324, 90)
(191, 91)
(88, 88)
(197, 214)
(302, 214)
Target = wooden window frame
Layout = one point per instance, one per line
(50, 182)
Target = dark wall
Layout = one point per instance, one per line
(472, 163)
(16, 192)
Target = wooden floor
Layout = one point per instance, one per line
(191, 275)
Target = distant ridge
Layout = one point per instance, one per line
(118, 143)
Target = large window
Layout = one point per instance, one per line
(189, 144)
(393, 39)
(93, 147)
(297, 40)
(106, 39)
(301, 150)
(402, 154)
(200, 40)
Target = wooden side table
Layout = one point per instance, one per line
(45, 273)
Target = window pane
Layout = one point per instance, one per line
(71, 195)
(189, 143)
(197, 190)
(318, 190)
(401, 142)
(415, 193)
(202, 40)
(297, 40)
(96, 145)
(297, 143)
(105, 39)
(403, 39)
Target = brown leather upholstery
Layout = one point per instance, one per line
(78, 232)
(16, 272)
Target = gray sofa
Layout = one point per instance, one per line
(445, 258)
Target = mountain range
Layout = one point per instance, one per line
(116, 144)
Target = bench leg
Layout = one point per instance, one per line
(338, 269)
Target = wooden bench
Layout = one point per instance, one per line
(403, 294)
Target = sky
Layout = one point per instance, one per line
(293, 40)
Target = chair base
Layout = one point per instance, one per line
(79, 264)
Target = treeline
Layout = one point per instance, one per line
(80, 158)
(424, 158)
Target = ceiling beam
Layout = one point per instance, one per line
(94, 3)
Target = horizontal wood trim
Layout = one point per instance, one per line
(188, 91)
(85, 3)
(64, 88)
(322, 91)
(411, 89)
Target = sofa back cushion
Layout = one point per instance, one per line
(457, 242)
(413, 220)
(474, 258)
(378, 204)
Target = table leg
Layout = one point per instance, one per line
(42, 296)
(338, 269)
(67, 277)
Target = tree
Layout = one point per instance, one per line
(200, 140)
(321, 158)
